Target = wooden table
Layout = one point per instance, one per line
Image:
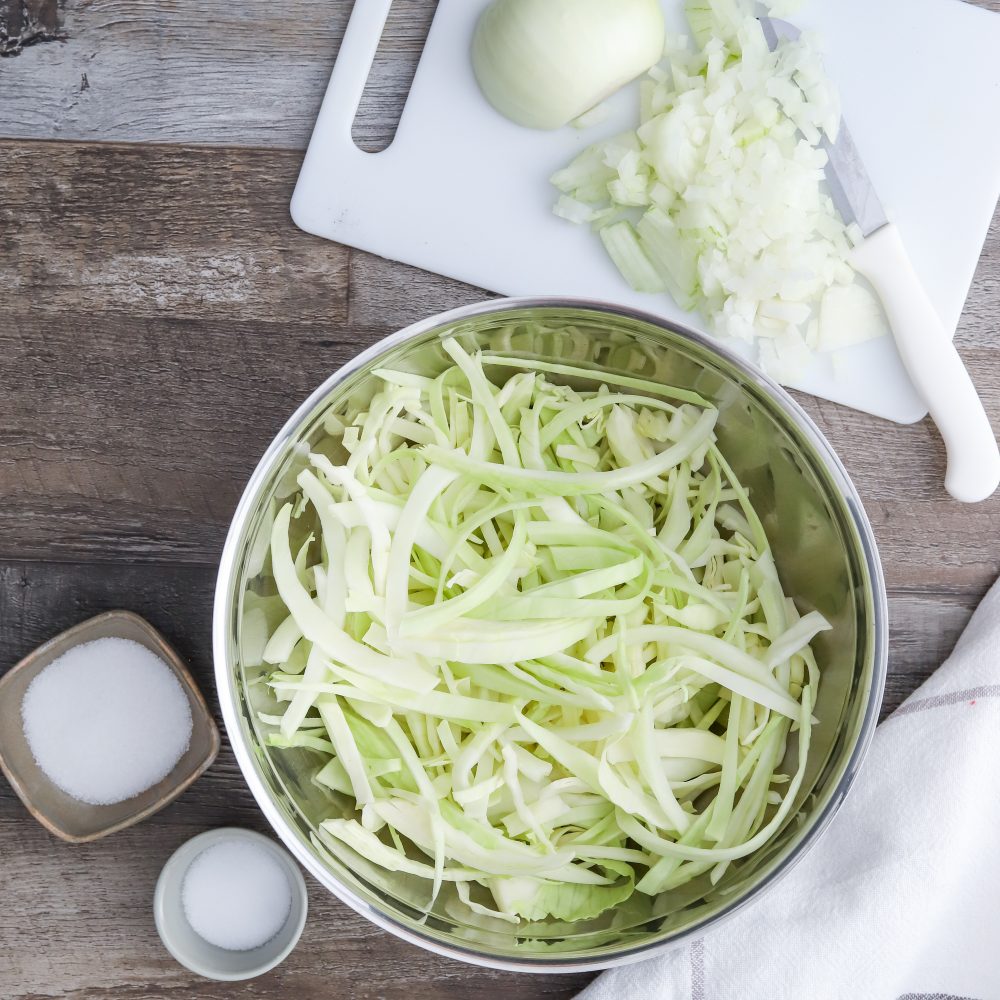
(160, 319)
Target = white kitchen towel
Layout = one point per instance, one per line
(900, 899)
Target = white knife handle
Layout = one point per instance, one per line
(934, 366)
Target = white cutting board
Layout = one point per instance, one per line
(463, 192)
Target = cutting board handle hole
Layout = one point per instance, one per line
(392, 73)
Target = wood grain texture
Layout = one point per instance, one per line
(218, 72)
(171, 232)
(28, 22)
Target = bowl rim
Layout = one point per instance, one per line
(228, 696)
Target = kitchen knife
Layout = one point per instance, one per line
(926, 349)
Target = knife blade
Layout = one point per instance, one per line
(925, 346)
(851, 188)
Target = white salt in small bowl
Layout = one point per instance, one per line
(70, 818)
(189, 947)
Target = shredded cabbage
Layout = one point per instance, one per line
(719, 197)
(536, 635)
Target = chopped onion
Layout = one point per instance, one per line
(568, 671)
(719, 196)
(848, 315)
(544, 63)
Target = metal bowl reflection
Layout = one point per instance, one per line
(826, 557)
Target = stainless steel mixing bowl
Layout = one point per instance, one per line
(826, 557)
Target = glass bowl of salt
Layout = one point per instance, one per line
(230, 904)
(102, 726)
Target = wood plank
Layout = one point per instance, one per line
(386, 295)
(172, 232)
(146, 294)
(104, 889)
(219, 72)
(241, 73)
(923, 630)
(28, 22)
(153, 428)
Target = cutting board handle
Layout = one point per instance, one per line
(354, 63)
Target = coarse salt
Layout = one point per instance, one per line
(236, 895)
(106, 720)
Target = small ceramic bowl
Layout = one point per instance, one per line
(192, 950)
(69, 818)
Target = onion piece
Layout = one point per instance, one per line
(545, 63)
